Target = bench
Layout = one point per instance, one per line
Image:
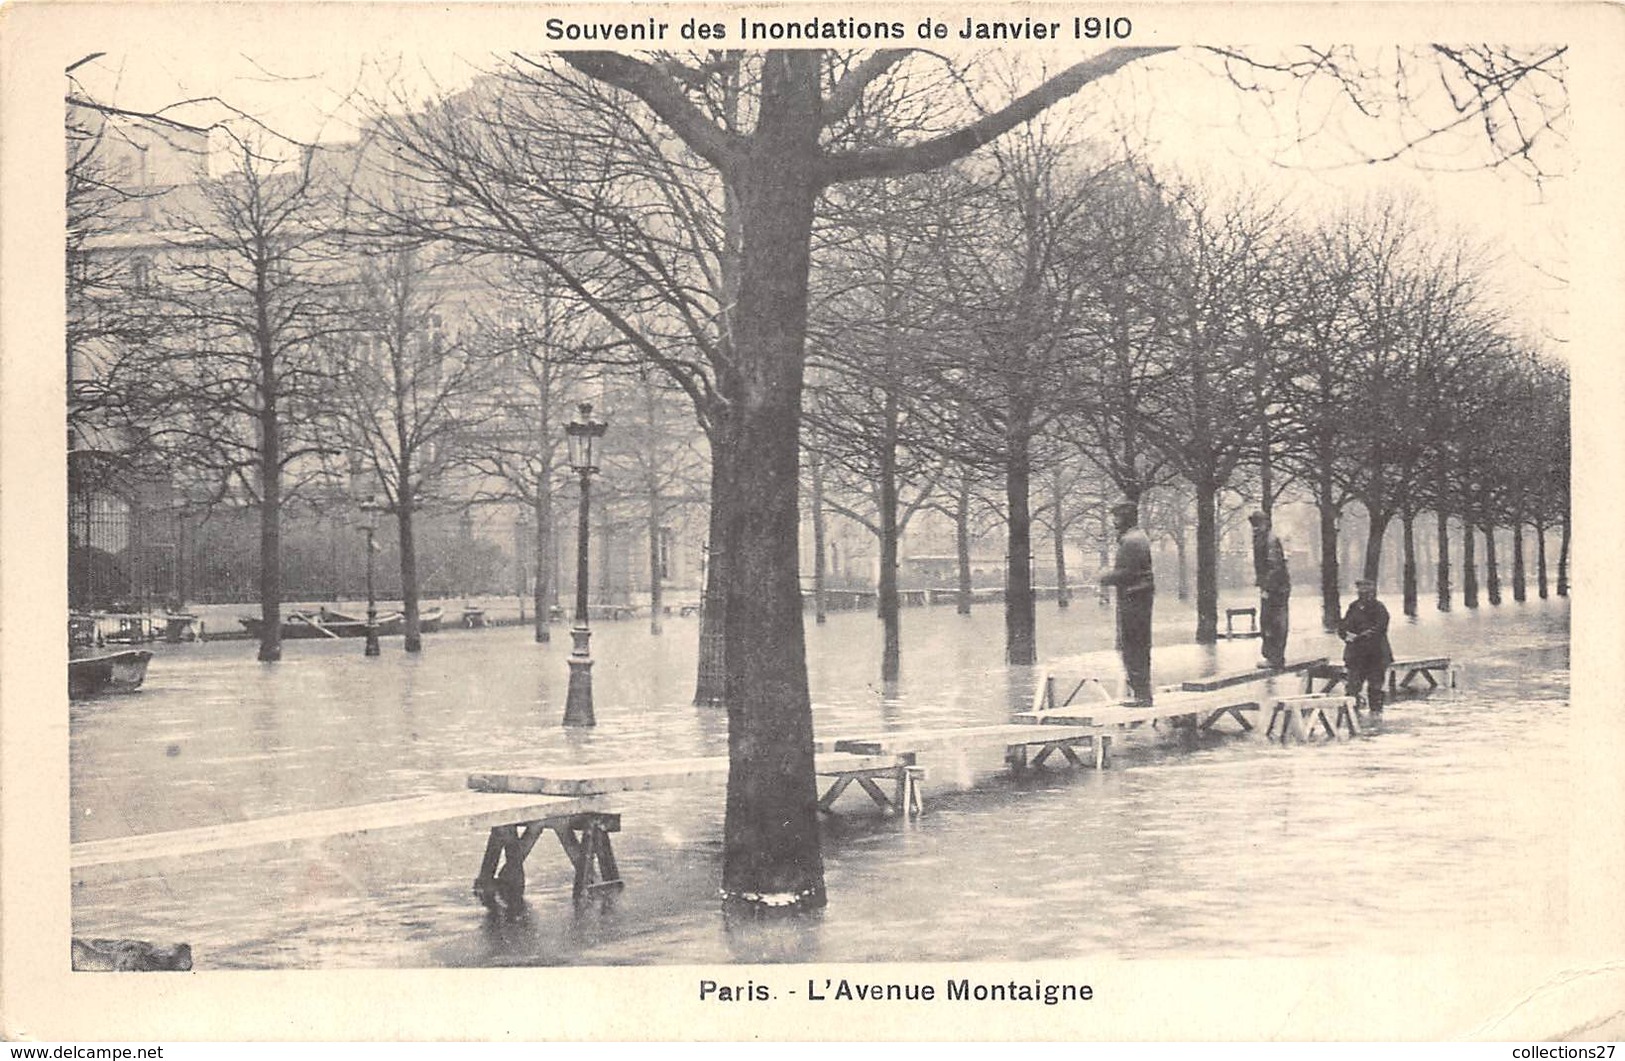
(516, 822)
(1299, 715)
(1230, 617)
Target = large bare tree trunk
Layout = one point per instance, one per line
(1520, 588)
(1541, 586)
(1442, 580)
(656, 600)
(1062, 596)
(1407, 521)
(962, 546)
(1207, 563)
(1563, 562)
(771, 853)
(820, 532)
(409, 576)
(1020, 618)
(544, 555)
(1469, 565)
(890, 612)
(270, 526)
(1492, 570)
(1182, 556)
(1331, 600)
(1376, 528)
(710, 680)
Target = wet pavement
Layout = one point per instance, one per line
(1445, 826)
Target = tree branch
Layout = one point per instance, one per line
(918, 158)
(659, 90)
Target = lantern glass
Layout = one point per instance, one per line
(369, 513)
(582, 435)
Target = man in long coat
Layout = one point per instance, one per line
(1131, 574)
(1274, 588)
(1366, 652)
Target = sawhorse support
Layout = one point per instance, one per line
(1299, 715)
(584, 837)
(1235, 711)
(906, 798)
(1015, 755)
(1419, 668)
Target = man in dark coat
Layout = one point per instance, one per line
(1131, 574)
(1274, 589)
(1366, 652)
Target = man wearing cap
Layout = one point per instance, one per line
(1366, 652)
(1274, 588)
(1131, 574)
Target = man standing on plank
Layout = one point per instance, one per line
(1131, 574)
(1274, 589)
(1366, 652)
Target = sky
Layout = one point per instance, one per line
(1177, 109)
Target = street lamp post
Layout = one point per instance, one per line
(369, 523)
(582, 436)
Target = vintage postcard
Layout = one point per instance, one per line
(810, 521)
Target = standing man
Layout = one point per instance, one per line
(1131, 574)
(1366, 652)
(1274, 589)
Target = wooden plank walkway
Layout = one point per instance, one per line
(903, 741)
(1247, 677)
(469, 808)
(571, 799)
(1169, 705)
(587, 779)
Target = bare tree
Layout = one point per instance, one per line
(406, 393)
(247, 294)
(534, 352)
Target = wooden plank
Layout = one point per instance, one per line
(582, 779)
(1225, 681)
(1430, 663)
(592, 779)
(1175, 705)
(915, 740)
(468, 808)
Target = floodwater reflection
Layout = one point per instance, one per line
(1445, 824)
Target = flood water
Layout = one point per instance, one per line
(1444, 825)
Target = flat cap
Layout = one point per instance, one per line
(1257, 516)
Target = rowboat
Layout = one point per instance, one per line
(324, 622)
(110, 672)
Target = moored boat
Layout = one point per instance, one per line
(111, 672)
(324, 622)
(92, 670)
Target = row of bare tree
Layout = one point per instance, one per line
(1110, 331)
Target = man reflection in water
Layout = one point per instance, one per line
(1366, 652)
(1131, 574)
